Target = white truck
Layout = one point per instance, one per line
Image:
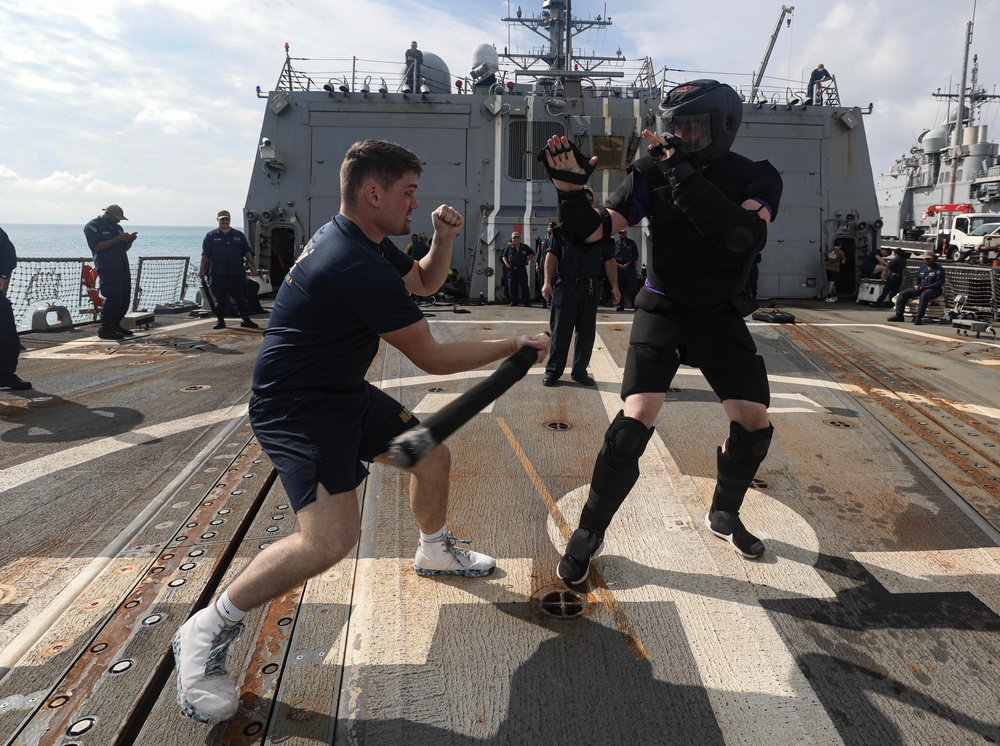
(961, 242)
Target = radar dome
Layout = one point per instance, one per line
(434, 71)
(485, 54)
(934, 141)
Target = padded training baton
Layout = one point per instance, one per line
(409, 448)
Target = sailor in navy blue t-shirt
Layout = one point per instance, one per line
(225, 254)
(110, 243)
(318, 418)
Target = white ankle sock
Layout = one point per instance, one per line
(227, 609)
(434, 542)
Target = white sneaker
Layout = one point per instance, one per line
(204, 689)
(453, 560)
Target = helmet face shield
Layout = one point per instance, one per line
(694, 130)
(705, 114)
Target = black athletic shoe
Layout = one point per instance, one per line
(125, 332)
(550, 381)
(728, 526)
(12, 382)
(219, 325)
(895, 317)
(585, 380)
(110, 334)
(248, 324)
(918, 321)
(583, 546)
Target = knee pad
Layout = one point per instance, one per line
(615, 471)
(624, 442)
(738, 465)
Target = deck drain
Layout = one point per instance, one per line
(254, 728)
(838, 423)
(435, 390)
(99, 647)
(270, 668)
(196, 553)
(562, 604)
(759, 484)
(284, 621)
(58, 702)
(558, 425)
(196, 387)
(152, 619)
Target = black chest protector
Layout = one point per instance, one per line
(691, 261)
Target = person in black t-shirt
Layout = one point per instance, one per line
(318, 418)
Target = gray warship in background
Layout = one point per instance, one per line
(478, 136)
(951, 166)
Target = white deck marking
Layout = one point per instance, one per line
(436, 401)
(15, 476)
(744, 662)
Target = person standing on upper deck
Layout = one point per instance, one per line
(10, 344)
(223, 253)
(414, 60)
(708, 210)
(110, 243)
(819, 75)
(320, 421)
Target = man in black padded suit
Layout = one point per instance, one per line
(708, 210)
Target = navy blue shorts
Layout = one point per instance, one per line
(718, 343)
(832, 275)
(325, 438)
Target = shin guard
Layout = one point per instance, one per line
(615, 471)
(738, 465)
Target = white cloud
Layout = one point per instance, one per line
(97, 93)
(171, 121)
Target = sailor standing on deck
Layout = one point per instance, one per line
(109, 243)
(223, 252)
(319, 420)
(10, 344)
(573, 286)
(708, 210)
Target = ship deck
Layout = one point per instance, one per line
(133, 489)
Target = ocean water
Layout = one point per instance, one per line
(67, 241)
(35, 284)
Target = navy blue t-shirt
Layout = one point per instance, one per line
(343, 292)
(225, 252)
(98, 231)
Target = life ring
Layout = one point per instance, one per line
(88, 279)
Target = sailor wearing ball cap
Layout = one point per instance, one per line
(109, 243)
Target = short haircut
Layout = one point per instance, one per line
(385, 162)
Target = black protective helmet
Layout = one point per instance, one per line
(706, 114)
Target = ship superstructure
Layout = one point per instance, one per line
(953, 163)
(478, 136)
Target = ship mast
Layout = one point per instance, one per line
(956, 141)
(557, 27)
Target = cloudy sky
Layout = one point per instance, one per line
(151, 103)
